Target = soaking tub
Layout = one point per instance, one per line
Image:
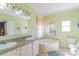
(47, 45)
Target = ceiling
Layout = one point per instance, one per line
(50, 8)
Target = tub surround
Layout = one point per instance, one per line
(53, 44)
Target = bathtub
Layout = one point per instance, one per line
(47, 45)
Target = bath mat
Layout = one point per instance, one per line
(55, 53)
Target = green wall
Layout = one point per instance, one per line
(18, 22)
(57, 18)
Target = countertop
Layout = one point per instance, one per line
(9, 37)
(21, 41)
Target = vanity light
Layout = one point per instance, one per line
(15, 10)
(18, 12)
(2, 5)
(9, 7)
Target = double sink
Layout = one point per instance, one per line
(10, 44)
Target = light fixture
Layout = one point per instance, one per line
(2, 5)
(18, 12)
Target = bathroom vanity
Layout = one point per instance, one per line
(14, 29)
(24, 47)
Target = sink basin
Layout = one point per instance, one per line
(31, 38)
(7, 45)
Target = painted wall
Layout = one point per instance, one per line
(18, 22)
(57, 19)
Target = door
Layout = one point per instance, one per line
(29, 49)
(26, 50)
(23, 50)
(18, 51)
(40, 27)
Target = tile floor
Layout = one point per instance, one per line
(64, 50)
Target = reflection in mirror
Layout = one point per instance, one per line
(2, 28)
(52, 30)
(11, 29)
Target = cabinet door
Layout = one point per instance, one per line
(23, 50)
(10, 53)
(29, 49)
(35, 48)
(26, 50)
(18, 53)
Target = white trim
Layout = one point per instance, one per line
(35, 9)
(53, 12)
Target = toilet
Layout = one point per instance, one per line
(72, 48)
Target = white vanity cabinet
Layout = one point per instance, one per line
(35, 47)
(29, 49)
(23, 50)
(18, 51)
(10, 53)
(26, 50)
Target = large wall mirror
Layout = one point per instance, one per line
(7, 28)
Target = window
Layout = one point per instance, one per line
(66, 26)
